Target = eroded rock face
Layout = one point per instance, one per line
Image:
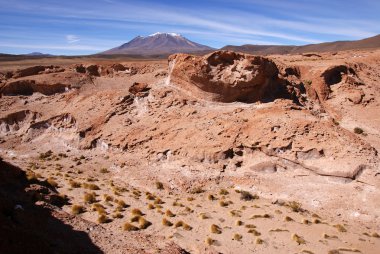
(28, 87)
(228, 76)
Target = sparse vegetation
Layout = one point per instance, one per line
(166, 222)
(77, 209)
(186, 227)
(90, 186)
(358, 130)
(143, 223)
(90, 198)
(209, 241)
(239, 223)
(197, 190)
(74, 184)
(223, 203)
(246, 196)
(129, 227)
(211, 197)
(295, 206)
(287, 218)
(136, 212)
(298, 239)
(104, 170)
(340, 228)
(326, 236)
(254, 232)
(103, 219)
(223, 192)
(215, 229)
(250, 226)
(159, 185)
(237, 237)
(256, 216)
(169, 213)
(179, 224)
(52, 182)
(259, 241)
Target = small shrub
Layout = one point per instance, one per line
(179, 224)
(203, 216)
(136, 211)
(358, 130)
(326, 236)
(317, 221)
(237, 237)
(333, 252)
(254, 232)
(135, 218)
(143, 223)
(259, 241)
(307, 252)
(159, 186)
(197, 190)
(90, 198)
(246, 196)
(298, 239)
(215, 229)
(169, 213)
(52, 182)
(103, 219)
(166, 222)
(278, 230)
(129, 227)
(256, 216)
(250, 226)
(104, 170)
(340, 228)
(107, 198)
(376, 235)
(190, 199)
(223, 203)
(77, 209)
(151, 206)
(90, 186)
(187, 227)
(223, 192)
(306, 221)
(209, 241)
(117, 215)
(295, 206)
(235, 213)
(239, 223)
(74, 184)
(287, 218)
(158, 201)
(211, 197)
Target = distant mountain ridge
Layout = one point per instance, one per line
(158, 43)
(372, 42)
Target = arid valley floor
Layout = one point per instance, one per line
(186, 155)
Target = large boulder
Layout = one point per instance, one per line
(228, 76)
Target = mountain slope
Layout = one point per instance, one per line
(372, 42)
(158, 43)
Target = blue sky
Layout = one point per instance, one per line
(75, 27)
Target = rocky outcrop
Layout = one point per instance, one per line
(35, 70)
(228, 76)
(28, 87)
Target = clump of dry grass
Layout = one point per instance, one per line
(235, 213)
(237, 237)
(265, 216)
(259, 240)
(136, 212)
(211, 197)
(278, 230)
(90, 198)
(77, 209)
(295, 206)
(340, 228)
(333, 252)
(143, 223)
(190, 199)
(107, 198)
(307, 251)
(186, 227)
(74, 184)
(348, 249)
(203, 216)
(129, 227)
(158, 201)
(151, 206)
(215, 229)
(104, 170)
(103, 219)
(317, 221)
(179, 224)
(169, 213)
(326, 236)
(376, 235)
(117, 215)
(159, 185)
(239, 223)
(223, 192)
(90, 186)
(197, 190)
(250, 226)
(166, 222)
(287, 218)
(99, 208)
(223, 203)
(306, 221)
(247, 196)
(31, 176)
(254, 232)
(51, 181)
(150, 196)
(209, 241)
(298, 239)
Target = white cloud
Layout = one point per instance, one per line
(70, 38)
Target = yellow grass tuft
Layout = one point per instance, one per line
(129, 227)
(209, 241)
(77, 209)
(90, 198)
(143, 223)
(287, 218)
(169, 213)
(215, 229)
(254, 232)
(166, 222)
(237, 237)
(136, 211)
(298, 239)
(259, 241)
(340, 228)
